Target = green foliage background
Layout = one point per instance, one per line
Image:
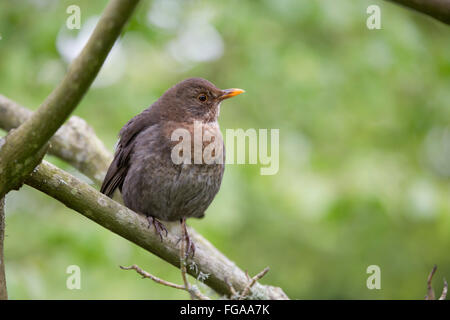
(364, 148)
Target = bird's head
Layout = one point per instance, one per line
(195, 99)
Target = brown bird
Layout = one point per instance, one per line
(144, 170)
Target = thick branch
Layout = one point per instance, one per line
(17, 157)
(110, 214)
(3, 291)
(11, 115)
(71, 141)
(438, 9)
(75, 142)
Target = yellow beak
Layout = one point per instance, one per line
(228, 93)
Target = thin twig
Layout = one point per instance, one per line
(232, 290)
(430, 292)
(183, 246)
(145, 274)
(194, 292)
(246, 290)
(197, 294)
(444, 291)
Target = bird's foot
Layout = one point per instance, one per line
(159, 226)
(189, 244)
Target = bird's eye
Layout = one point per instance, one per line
(202, 97)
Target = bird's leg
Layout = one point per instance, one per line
(159, 226)
(190, 246)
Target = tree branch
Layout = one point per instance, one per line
(110, 214)
(17, 156)
(252, 282)
(438, 9)
(75, 142)
(430, 292)
(10, 116)
(3, 291)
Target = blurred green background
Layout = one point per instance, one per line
(364, 123)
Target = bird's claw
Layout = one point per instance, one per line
(159, 226)
(190, 246)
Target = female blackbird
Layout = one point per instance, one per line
(144, 170)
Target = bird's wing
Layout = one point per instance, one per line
(118, 169)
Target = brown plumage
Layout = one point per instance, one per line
(143, 169)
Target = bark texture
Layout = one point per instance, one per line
(18, 155)
(115, 217)
(79, 196)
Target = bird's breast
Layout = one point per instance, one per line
(196, 142)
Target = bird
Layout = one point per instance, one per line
(144, 170)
